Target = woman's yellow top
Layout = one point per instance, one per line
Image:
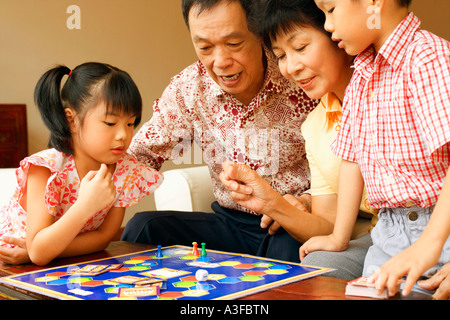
(320, 130)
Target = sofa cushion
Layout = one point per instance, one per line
(187, 189)
(8, 184)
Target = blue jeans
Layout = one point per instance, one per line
(396, 230)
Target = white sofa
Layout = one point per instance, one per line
(8, 184)
(187, 189)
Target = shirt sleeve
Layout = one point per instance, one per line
(169, 127)
(431, 90)
(56, 183)
(134, 181)
(343, 146)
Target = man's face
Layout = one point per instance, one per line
(232, 55)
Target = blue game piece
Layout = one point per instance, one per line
(159, 253)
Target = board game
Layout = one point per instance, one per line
(173, 272)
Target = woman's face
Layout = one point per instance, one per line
(309, 57)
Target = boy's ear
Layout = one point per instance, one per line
(378, 3)
(71, 119)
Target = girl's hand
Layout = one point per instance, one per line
(97, 190)
(16, 255)
(326, 243)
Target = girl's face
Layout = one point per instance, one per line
(307, 56)
(102, 137)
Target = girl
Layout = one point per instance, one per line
(71, 199)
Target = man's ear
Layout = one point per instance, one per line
(71, 117)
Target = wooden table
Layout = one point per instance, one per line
(317, 288)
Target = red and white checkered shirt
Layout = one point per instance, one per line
(265, 134)
(396, 118)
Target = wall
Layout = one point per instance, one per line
(434, 16)
(147, 38)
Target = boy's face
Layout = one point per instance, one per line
(348, 21)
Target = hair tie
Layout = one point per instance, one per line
(70, 73)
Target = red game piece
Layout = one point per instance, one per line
(195, 250)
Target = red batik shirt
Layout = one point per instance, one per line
(265, 134)
(396, 118)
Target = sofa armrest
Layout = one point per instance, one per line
(8, 185)
(187, 189)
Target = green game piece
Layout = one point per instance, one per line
(203, 253)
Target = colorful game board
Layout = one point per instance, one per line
(229, 276)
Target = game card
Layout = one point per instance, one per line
(128, 279)
(137, 292)
(151, 282)
(94, 269)
(141, 281)
(165, 273)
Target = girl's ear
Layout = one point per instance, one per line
(71, 117)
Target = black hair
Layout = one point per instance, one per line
(405, 3)
(271, 18)
(209, 4)
(87, 85)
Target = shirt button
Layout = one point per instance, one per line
(372, 94)
(413, 216)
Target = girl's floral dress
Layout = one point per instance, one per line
(132, 180)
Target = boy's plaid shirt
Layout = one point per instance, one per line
(396, 118)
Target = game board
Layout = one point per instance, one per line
(230, 276)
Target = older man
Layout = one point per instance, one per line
(237, 106)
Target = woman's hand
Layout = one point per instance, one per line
(247, 188)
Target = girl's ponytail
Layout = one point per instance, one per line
(47, 97)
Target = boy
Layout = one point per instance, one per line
(394, 138)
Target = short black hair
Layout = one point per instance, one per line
(271, 18)
(87, 85)
(405, 3)
(209, 4)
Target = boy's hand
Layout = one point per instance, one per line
(413, 262)
(326, 243)
(439, 282)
